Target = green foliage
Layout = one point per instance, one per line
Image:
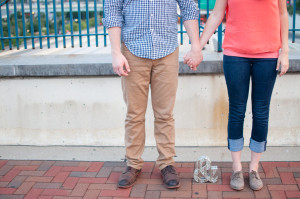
(75, 27)
(83, 25)
(290, 8)
(92, 22)
(44, 31)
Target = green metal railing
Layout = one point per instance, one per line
(294, 22)
(2, 2)
(49, 20)
(206, 6)
(24, 17)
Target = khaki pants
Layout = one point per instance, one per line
(162, 77)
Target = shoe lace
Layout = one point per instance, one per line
(236, 175)
(169, 169)
(255, 174)
(130, 170)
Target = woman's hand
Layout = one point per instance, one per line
(283, 62)
(283, 59)
(193, 58)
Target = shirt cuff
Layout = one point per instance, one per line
(191, 15)
(109, 22)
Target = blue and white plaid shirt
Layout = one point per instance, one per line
(149, 27)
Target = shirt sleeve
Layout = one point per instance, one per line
(113, 13)
(188, 10)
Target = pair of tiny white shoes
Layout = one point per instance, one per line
(237, 181)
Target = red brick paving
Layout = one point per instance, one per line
(89, 180)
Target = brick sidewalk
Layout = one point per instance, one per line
(65, 179)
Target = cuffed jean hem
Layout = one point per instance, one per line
(257, 147)
(236, 145)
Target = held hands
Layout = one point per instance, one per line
(193, 58)
(283, 61)
(120, 64)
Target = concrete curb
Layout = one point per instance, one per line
(87, 65)
(94, 153)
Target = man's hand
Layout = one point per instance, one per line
(120, 64)
(283, 63)
(193, 58)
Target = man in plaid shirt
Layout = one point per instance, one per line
(147, 55)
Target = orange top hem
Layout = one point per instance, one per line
(258, 55)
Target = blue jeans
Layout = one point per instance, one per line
(238, 71)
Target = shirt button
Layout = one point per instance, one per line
(152, 15)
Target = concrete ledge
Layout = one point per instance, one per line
(294, 65)
(96, 65)
(91, 69)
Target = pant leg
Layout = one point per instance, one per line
(237, 75)
(164, 80)
(135, 88)
(263, 79)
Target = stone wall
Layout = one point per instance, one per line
(91, 111)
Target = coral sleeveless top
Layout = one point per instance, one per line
(252, 27)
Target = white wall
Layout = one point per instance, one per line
(91, 111)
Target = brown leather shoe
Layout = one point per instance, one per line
(128, 177)
(170, 177)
